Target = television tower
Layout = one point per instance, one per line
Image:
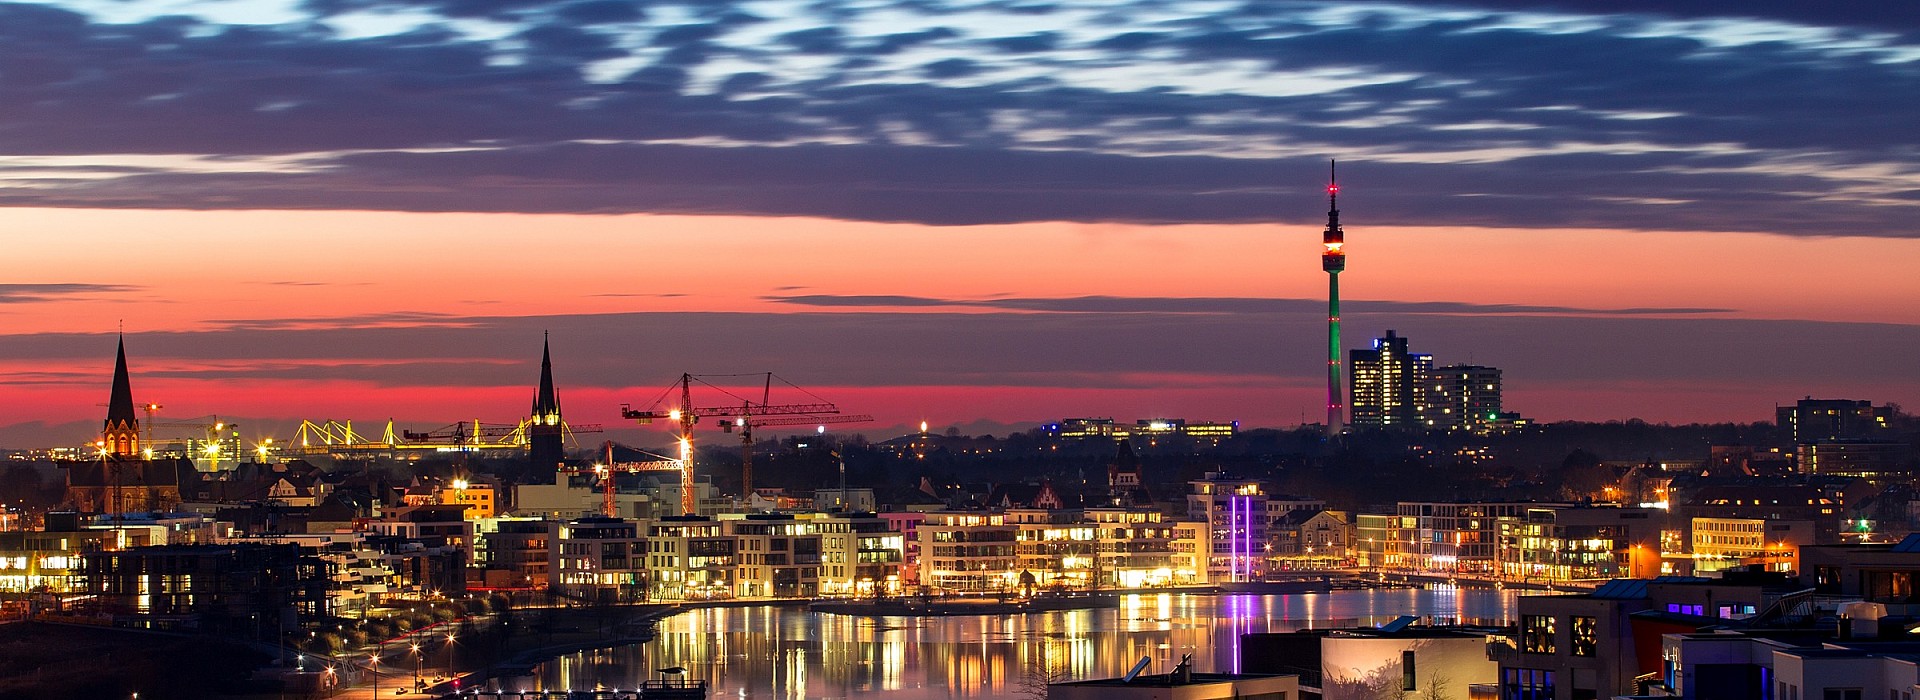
(1333, 260)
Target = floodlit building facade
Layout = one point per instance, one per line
(861, 555)
(690, 557)
(778, 555)
(968, 552)
(1724, 543)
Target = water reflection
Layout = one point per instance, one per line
(787, 653)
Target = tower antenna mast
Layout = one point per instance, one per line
(1333, 260)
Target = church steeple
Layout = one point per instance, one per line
(545, 402)
(120, 434)
(546, 432)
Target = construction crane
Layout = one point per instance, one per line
(746, 423)
(216, 432)
(607, 468)
(686, 415)
(153, 410)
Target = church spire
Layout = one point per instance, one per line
(547, 432)
(545, 401)
(120, 434)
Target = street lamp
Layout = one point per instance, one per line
(374, 666)
(416, 665)
(451, 671)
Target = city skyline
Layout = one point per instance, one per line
(948, 213)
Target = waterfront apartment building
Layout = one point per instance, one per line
(1235, 511)
(968, 552)
(907, 523)
(777, 554)
(1056, 551)
(1095, 548)
(690, 557)
(1462, 398)
(1382, 540)
(860, 555)
(1133, 548)
(597, 559)
(1459, 536)
(1388, 385)
(1581, 543)
(1191, 552)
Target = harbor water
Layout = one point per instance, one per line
(782, 653)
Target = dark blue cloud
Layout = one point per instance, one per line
(569, 43)
(601, 12)
(822, 40)
(951, 68)
(894, 43)
(1472, 119)
(1892, 16)
(1031, 43)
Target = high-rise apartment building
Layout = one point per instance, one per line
(1389, 385)
(1462, 398)
(1815, 420)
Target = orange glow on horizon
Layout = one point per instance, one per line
(195, 269)
(191, 271)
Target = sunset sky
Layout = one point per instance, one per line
(984, 213)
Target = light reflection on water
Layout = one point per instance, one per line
(781, 653)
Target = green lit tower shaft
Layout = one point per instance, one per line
(1333, 260)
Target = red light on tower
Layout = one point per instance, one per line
(1333, 188)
